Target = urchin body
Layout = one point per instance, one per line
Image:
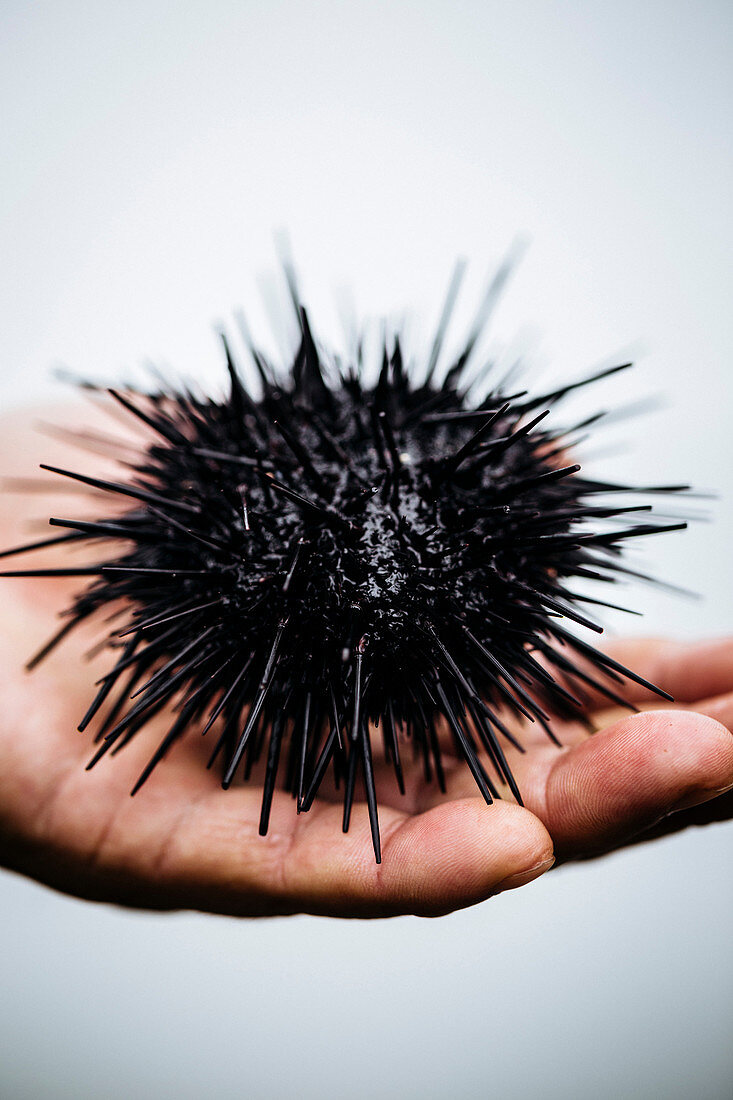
(327, 558)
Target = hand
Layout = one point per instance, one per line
(182, 842)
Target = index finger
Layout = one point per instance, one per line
(687, 671)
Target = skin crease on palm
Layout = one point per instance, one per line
(182, 842)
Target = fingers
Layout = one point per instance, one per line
(687, 670)
(627, 777)
(720, 707)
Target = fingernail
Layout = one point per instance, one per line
(523, 877)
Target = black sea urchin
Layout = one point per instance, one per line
(301, 567)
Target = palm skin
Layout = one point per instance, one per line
(184, 843)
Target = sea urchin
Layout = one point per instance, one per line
(328, 557)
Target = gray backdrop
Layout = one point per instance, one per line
(149, 150)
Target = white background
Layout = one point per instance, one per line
(149, 152)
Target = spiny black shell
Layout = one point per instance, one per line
(327, 556)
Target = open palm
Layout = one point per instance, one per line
(184, 843)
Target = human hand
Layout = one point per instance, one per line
(184, 843)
